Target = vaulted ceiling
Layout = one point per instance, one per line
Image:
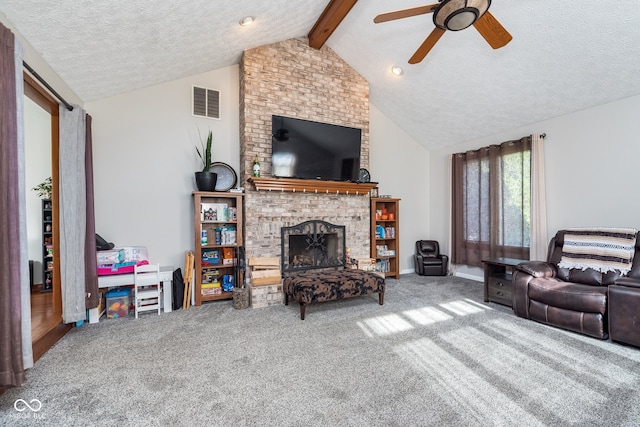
(565, 55)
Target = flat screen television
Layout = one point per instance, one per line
(313, 150)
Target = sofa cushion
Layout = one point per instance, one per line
(568, 295)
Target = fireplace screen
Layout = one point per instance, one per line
(312, 244)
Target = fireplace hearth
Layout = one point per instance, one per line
(312, 245)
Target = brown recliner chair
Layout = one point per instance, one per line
(428, 259)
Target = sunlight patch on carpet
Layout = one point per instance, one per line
(384, 325)
(427, 315)
(461, 389)
(599, 368)
(542, 383)
(461, 308)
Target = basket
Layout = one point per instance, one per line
(240, 298)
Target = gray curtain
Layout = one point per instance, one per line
(27, 348)
(72, 213)
(11, 347)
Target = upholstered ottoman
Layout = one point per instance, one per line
(317, 286)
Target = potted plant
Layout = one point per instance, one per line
(44, 189)
(205, 179)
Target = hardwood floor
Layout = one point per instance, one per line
(46, 327)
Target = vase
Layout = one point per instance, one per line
(206, 181)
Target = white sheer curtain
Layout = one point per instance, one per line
(72, 212)
(538, 201)
(25, 287)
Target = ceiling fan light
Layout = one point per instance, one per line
(456, 15)
(396, 71)
(247, 20)
(461, 20)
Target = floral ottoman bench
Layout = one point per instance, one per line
(317, 286)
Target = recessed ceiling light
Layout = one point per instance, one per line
(396, 71)
(248, 20)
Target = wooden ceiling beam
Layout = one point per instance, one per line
(332, 16)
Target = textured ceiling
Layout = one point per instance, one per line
(565, 55)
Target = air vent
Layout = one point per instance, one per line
(206, 102)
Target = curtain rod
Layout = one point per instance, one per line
(52, 90)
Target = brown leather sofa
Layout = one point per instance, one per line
(585, 301)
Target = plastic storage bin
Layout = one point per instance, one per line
(118, 303)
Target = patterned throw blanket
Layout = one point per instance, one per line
(602, 249)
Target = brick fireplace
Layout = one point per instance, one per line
(291, 79)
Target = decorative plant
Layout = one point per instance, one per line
(205, 154)
(44, 189)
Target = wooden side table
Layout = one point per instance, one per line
(497, 279)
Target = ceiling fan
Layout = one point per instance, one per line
(453, 15)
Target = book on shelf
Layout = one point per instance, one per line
(383, 250)
(382, 266)
(390, 232)
(211, 257)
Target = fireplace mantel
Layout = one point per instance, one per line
(312, 186)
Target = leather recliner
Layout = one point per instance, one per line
(578, 300)
(428, 259)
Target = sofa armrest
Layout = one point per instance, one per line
(522, 275)
(419, 266)
(537, 269)
(629, 282)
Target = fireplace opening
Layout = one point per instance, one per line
(312, 244)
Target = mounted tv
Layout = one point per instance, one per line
(313, 150)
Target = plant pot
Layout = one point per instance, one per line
(206, 181)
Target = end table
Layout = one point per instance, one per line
(497, 279)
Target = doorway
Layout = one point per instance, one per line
(41, 116)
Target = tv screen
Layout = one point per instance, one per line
(313, 150)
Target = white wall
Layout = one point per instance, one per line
(37, 140)
(591, 166)
(144, 161)
(401, 166)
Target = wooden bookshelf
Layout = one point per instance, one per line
(220, 217)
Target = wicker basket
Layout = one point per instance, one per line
(240, 298)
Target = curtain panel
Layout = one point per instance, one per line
(72, 213)
(11, 356)
(91, 267)
(539, 239)
(491, 198)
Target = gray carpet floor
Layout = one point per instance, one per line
(434, 354)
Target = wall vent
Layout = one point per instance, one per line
(206, 102)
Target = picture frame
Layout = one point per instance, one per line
(374, 192)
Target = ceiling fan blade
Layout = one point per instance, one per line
(426, 46)
(492, 31)
(405, 13)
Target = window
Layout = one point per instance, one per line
(492, 202)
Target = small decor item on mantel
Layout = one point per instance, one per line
(205, 179)
(256, 167)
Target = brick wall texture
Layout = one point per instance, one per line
(291, 79)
